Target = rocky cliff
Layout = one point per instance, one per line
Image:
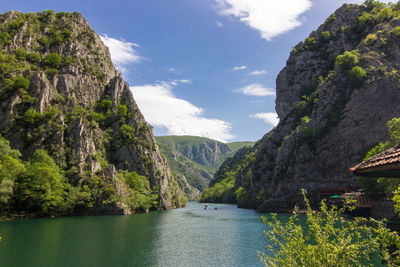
(59, 91)
(339, 88)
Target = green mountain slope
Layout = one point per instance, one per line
(196, 158)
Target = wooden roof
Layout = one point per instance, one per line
(384, 164)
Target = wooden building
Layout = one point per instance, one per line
(385, 164)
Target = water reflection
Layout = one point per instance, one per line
(190, 236)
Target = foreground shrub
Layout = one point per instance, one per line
(328, 240)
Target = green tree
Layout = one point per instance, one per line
(42, 186)
(141, 197)
(348, 59)
(21, 82)
(328, 240)
(357, 74)
(52, 60)
(10, 168)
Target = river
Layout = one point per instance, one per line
(190, 236)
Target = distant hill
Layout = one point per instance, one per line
(196, 158)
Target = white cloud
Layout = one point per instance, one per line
(185, 81)
(258, 72)
(256, 89)
(122, 53)
(270, 18)
(161, 108)
(172, 70)
(269, 118)
(219, 24)
(239, 68)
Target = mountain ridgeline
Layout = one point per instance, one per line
(72, 123)
(194, 160)
(339, 88)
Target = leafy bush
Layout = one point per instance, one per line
(395, 31)
(43, 41)
(309, 43)
(305, 120)
(122, 111)
(105, 104)
(32, 116)
(52, 60)
(348, 59)
(77, 111)
(325, 36)
(328, 240)
(384, 14)
(21, 83)
(33, 57)
(357, 74)
(127, 134)
(370, 39)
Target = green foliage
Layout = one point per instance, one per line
(76, 112)
(309, 136)
(370, 4)
(52, 60)
(141, 198)
(127, 134)
(33, 58)
(10, 168)
(305, 120)
(370, 39)
(20, 83)
(222, 185)
(240, 194)
(394, 130)
(262, 196)
(395, 31)
(42, 186)
(348, 59)
(31, 116)
(43, 41)
(122, 111)
(309, 43)
(328, 240)
(325, 36)
(105, 104)
(384, 14)
(357, 74)
(6, 150)
(330, 19)
(219, 192)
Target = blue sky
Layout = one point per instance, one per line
(200, 67)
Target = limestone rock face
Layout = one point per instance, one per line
(330, 113)
(77, 106)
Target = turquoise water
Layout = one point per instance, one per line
(190, 236)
